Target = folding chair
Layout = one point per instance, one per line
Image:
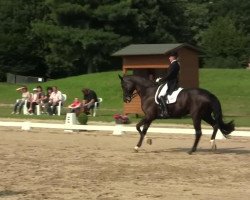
(96, 106)
(59, 107)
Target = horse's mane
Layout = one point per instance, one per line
(145, 82)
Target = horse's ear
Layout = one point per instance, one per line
(120, 77)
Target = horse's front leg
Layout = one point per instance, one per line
(145, 123)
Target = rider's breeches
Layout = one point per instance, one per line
(163, 91)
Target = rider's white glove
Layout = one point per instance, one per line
(157, 80)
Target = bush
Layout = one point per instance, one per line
(225, 44)
(2, 76)
(220, 62)
(82, 118)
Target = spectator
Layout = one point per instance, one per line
(35, 100)
(20, 102)
(89, 99)
(54, 99)
(45, 100)
(75, 106)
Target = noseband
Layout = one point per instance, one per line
(129, 97)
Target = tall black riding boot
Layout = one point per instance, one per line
(164, 107)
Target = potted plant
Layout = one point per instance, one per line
(121, 119)
(82, 118)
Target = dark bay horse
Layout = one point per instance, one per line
(199, 103)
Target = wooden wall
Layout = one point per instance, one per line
(189, 73)
(133, 107)
(145, 61)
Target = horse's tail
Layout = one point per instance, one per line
(225, 128)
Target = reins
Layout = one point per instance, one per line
(134, 95)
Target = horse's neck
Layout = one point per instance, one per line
(142, 87)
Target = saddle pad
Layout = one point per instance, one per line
(170, 98)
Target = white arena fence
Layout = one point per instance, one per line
(116, 129)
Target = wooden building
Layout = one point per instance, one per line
(151, 61)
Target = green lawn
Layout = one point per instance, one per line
(231, 86)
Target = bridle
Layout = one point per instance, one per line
(129, 96)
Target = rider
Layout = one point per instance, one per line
(170, 81)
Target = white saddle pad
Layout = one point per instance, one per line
(170, 98)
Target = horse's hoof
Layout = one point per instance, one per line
(213, 144)
(191, 151)
(149, 141)
(136, 149)
(214, 147)
(228, 136)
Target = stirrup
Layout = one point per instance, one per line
(165, 114)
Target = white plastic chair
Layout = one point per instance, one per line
(97, 104)
(25, 109)
(59, 107)
(38, 109)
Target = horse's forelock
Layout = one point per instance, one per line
(128, 81)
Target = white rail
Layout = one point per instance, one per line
(116, 129)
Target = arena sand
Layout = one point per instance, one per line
(53, 164)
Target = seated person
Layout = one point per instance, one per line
(45, 100)
(75, 106)
(89, 99)
(54, 99)
(35, 100)
(20, 102)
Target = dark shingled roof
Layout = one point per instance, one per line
(152, 49)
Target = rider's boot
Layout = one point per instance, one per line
(164, 107)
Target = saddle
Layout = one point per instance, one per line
(169, 98)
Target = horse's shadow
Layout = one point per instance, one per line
(6, 193)
(235, 150)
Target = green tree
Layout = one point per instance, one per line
(77, 38)
(197, 18)
(159, 21)
(237, 10)
(20, 50)
(80, 36)
(59, 38)
(225, 45)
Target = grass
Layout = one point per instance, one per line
(231, 86)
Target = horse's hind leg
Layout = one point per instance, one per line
(213, 144)
(212, 122)
(198, 133)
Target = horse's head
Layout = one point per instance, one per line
(128, 88)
